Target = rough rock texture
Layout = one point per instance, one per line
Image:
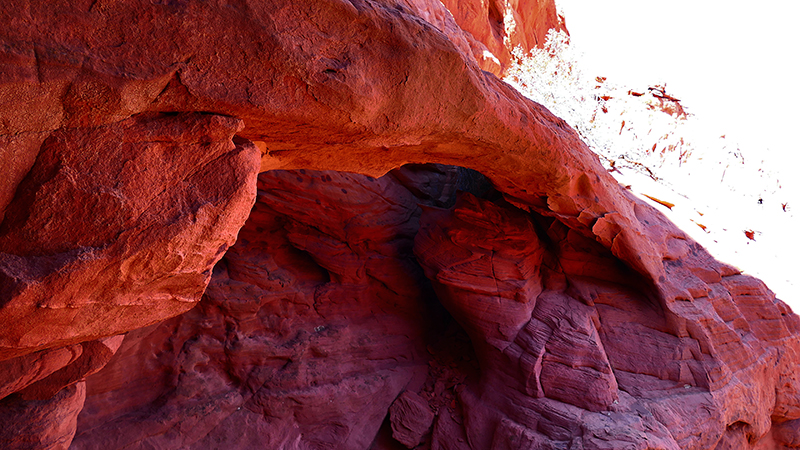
(129, 136)
(494, 28)
(411, 419)
(556, 321)
(48, 423)
(118, 226)
(311, 327)
(489, 30)
(314, 324)
(113, 228)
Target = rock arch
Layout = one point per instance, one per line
(143, 114)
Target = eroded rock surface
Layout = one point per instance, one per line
(319, 326)
(114, 227)
(493, 28)
(411, 419)
(48, 423)
(557, 321)
(314, 322)
(118, 226)
(545, 307)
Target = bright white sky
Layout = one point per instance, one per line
(736, 66)
(736, 63)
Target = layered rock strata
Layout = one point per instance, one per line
(320, 330)
(313, 324)
(131, 134)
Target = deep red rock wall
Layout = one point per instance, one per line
(312, 325)
(321, 331)
(543, 307)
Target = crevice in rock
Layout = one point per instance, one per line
(496, 18)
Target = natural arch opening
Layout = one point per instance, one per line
(323, 315)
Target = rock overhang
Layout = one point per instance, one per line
(321, 95)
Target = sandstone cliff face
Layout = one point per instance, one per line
(538, 305)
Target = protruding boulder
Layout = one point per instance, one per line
(411, 419)
(117, 227)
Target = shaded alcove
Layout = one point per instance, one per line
(321, 316)
(320, 298)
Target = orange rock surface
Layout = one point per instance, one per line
(526, 299)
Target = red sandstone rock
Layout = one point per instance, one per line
(18, 373)
(93, 357)
(118, 226)
(41, 424)
(411, 419)
(605, 328)
(495, 27)
(314, 322)
(572, 372)
(114, 227)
